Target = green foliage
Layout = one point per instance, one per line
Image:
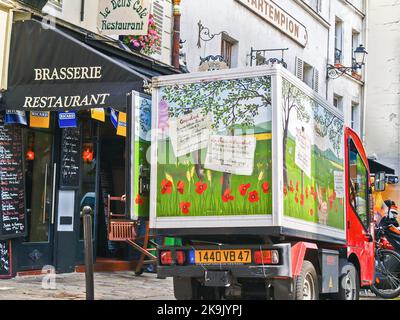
(231, 102)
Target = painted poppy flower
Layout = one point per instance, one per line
(307, 193)
(297, 186)
(285, 191)
(291, 189)
(341, 201)
(265, 187)
(185, 207)
(330, 203)
(201, 187)
(243, 189)
(138, 200)
(334, 195)
(166, 187)
(253, 196)
(296, 198)
(181, 187)
(302, 199)
(311, 212)
(312, 190)
(227, 196)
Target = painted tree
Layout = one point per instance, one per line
(293, 100)
(231, 103)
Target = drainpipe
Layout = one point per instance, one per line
(177, 33)
(82, 10)
(365, 87)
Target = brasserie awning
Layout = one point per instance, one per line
(52, 70)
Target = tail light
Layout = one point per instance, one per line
(166, 258)
(180, 257)
(266, 257)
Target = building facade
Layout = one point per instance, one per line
(307, 34)
(383, 91)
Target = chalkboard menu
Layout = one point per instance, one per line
(5, 259)
(70, 157)
(12, 196)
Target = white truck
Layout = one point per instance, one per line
(265, 188)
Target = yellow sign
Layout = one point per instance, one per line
(98, 114)
(121, 129)
(39, 119)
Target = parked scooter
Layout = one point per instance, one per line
(387, 256)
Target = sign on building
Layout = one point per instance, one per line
(123, 17)
(279, 18)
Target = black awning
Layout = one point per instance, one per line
(375, 167)
(50, 70)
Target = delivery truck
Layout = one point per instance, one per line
(264, 188)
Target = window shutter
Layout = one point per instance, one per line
(158, 13)
(316, 80)
(162, 12)
(299, 68)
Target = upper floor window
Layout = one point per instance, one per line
(307, 73)
(355, 117)
(338, 41)
(315, 4)
(338, 102)
(228, 47)
(358, 191)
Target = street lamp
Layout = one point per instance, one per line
(360, 53)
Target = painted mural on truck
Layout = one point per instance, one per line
(142, 142)
(214, 148)
(313, 163)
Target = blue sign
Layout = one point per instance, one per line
(67, 119)
(15, 117)
(114, 117)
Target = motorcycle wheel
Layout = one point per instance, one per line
(388, 269)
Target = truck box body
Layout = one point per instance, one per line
(246, 151)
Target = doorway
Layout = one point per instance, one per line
(36, 249)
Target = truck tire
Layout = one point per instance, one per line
(306, 283)
(349, 284)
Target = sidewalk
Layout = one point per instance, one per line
(71, 286)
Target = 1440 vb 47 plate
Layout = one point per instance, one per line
(242, 256)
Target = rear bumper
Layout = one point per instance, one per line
(282, 270)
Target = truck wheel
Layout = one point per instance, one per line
(349, 284)
(306, 283)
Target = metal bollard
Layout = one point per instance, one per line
(87, 229)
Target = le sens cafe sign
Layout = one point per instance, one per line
(123, 17)
(280, 19)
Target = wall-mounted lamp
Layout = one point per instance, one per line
(30, 155)
(205, 34)
(335, 72)
(88, 155)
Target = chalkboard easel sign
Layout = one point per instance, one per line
(5, 259)
(12, 182)
(70, 157)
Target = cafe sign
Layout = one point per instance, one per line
(280, 19)
(123, 17)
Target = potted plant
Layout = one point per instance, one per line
(146, 44)
(356, 75)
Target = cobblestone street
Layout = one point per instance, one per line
(108, 286)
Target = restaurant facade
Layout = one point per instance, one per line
(67, 137)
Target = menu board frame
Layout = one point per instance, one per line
(76, 184)
(23, 234)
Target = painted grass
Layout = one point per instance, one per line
(210, 202)
(322, 175)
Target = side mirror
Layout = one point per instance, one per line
(380, 181)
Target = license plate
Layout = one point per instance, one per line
(223, 256)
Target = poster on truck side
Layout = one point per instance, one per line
(313, 160)
(214, 141)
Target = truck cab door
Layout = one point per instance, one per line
(359, 237)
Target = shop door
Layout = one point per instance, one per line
(36, 249)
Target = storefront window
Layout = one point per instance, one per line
(38, 183)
